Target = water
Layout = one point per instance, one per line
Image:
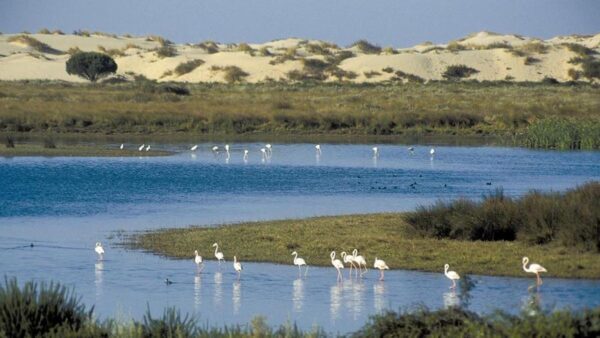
(65, 205)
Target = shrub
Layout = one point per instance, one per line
(174, 89)
(188, 66)
(387, 70)
(591, 68)
(338, 57)
(549, 80)
(264, 51)
(456, 72)
(44, 31)
(49, 143)
(73, 50)
(58, 32)
(289, 55)
(498, 45)
(34, 43)
(232, 74)
(579, 49)
(530, 60)
(366, 47)
(244, 47)
(111, 52)
(80, 32)
(402, 76)
(455, 46)
(91, 66)
(165, 51)
(210, 47)
(534, 47)
(10, 143)
(34, 310)
(390, 51)
(371, 74)
(172, 324)
(317, 49)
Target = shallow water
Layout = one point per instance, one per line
(64, 205)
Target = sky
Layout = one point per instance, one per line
(399, 23)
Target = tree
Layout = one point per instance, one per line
(91, 65)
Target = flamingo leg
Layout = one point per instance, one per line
(305, 271)
(381, 274)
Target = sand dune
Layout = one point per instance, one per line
(494, 56)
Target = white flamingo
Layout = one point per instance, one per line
(218, 255)
(350, 260)
(318, 149)
(122, 146)
(215, 149)
(141, 147)
(269, 149)
(148, 148)
(375, 152)
(198, 259)
(411, 149)
(264, 153)
(432, 151)
(237, 266)
(300, 262)
(245, 155)
(337, 264)
(194, 147)
(534, 268)
(360, 261)
(452, 275)
(380, 264)
(99, 250)
(227, 150)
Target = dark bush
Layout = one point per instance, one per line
(165, 51)
(10, 143)
(49, 143)
(172, 324)
(457, 72)
(91, 66)
(366, 47)
(174, 89)
(188, 66)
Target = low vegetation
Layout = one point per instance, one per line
(47, 147)
(188, 66)
(231, 74)
(91, 66)
(41, 310)
(366, 47)
(34, 43)
(457, 72)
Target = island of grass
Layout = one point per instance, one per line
(559, 231)
(41, 149)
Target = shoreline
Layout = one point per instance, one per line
(38, 150)
(383, 235)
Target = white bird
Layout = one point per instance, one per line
(99, 250)
(218, 255)
(141, 147)
(148, 148)
(264, 153)
(269, 149)
(360, 261)
(534, 268)
(198, 259)
(411, 149)
(122, 146)
(375, 152)
(215, 149)
(318, 149)
(452, 275)
(350, 260)
(299, 262)
(194, 147)
(380, 264)
(245, 154)
(227, 149)
(237, 266)
(432, 151)
(337, 264)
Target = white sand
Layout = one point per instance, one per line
(19, 61)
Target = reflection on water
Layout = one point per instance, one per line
(99, 267)
(357, 296)
(379, 296)
(236, 297)
(197, 291)
(218, 293)
(335, 301)
(298, 294)
(531, 304)
(451, 299)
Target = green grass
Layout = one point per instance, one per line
(504, 110)
(74, 150)
(387, 236)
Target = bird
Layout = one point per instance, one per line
(237, 266)
(122, 146)
(141, 147)
(411, 149)
(264, 153)
(218, 255)
(198, 259)
(168, 282)
(99, 250)
(194, 147)
(245, 154)
(318, 149)
(380, 264)
(348, 259)
(534, 268)
(227, 149)
(375, 152)
(359, 260)
(337, 264)
(148, 148)
(432, 151)
(215, 149)
(452, 275)
(299, 262)
(269, 149)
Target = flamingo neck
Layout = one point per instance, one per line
(216, 249)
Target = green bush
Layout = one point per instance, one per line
(457, 72)
(165, 51)
(91, 66)
(232, 74)
(563, 133)
(188, 66)
(366, 47)
(34, 43)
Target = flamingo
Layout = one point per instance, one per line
(534, 268)
(99, 250)
(245, 154)
(264, 153)
(141, 147)
(215, 149)
(299, 262)
(122, 146)
(452, 275)
(218, 255)
(318, 149)
(411, 149)
(269, 150)
(359, 260)
(380, 264)
(338, 265)
(375, 152)
(227, 150)
(148, 148)
(237, 266)
(348, 259)
(194, 147)
(198, 259)
(432, 152)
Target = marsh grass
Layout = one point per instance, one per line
(49, 148)
(387, 236)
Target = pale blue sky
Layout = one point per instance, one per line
(386, 22)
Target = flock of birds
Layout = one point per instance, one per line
(266, 151)
(355, 261)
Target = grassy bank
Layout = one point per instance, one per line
(38, 149)
(54, 311)
(387, 236)
(506, 110)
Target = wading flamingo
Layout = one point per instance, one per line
(534, 268)
(269, 149)
(245, 154)
(227, 150)
(198, 259)
(452, 275)
(375, 152)
(299, 262)
(380, 264)
(337, 264)
(360, 261)
(318, 149)
(141, 147)
(218, 255)
(122, 146)
(99, 250)
(432, 152)
(348, 259)
(194, 147)
(237, 266)
(264, 153)
(215, 149)
(148, 148)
